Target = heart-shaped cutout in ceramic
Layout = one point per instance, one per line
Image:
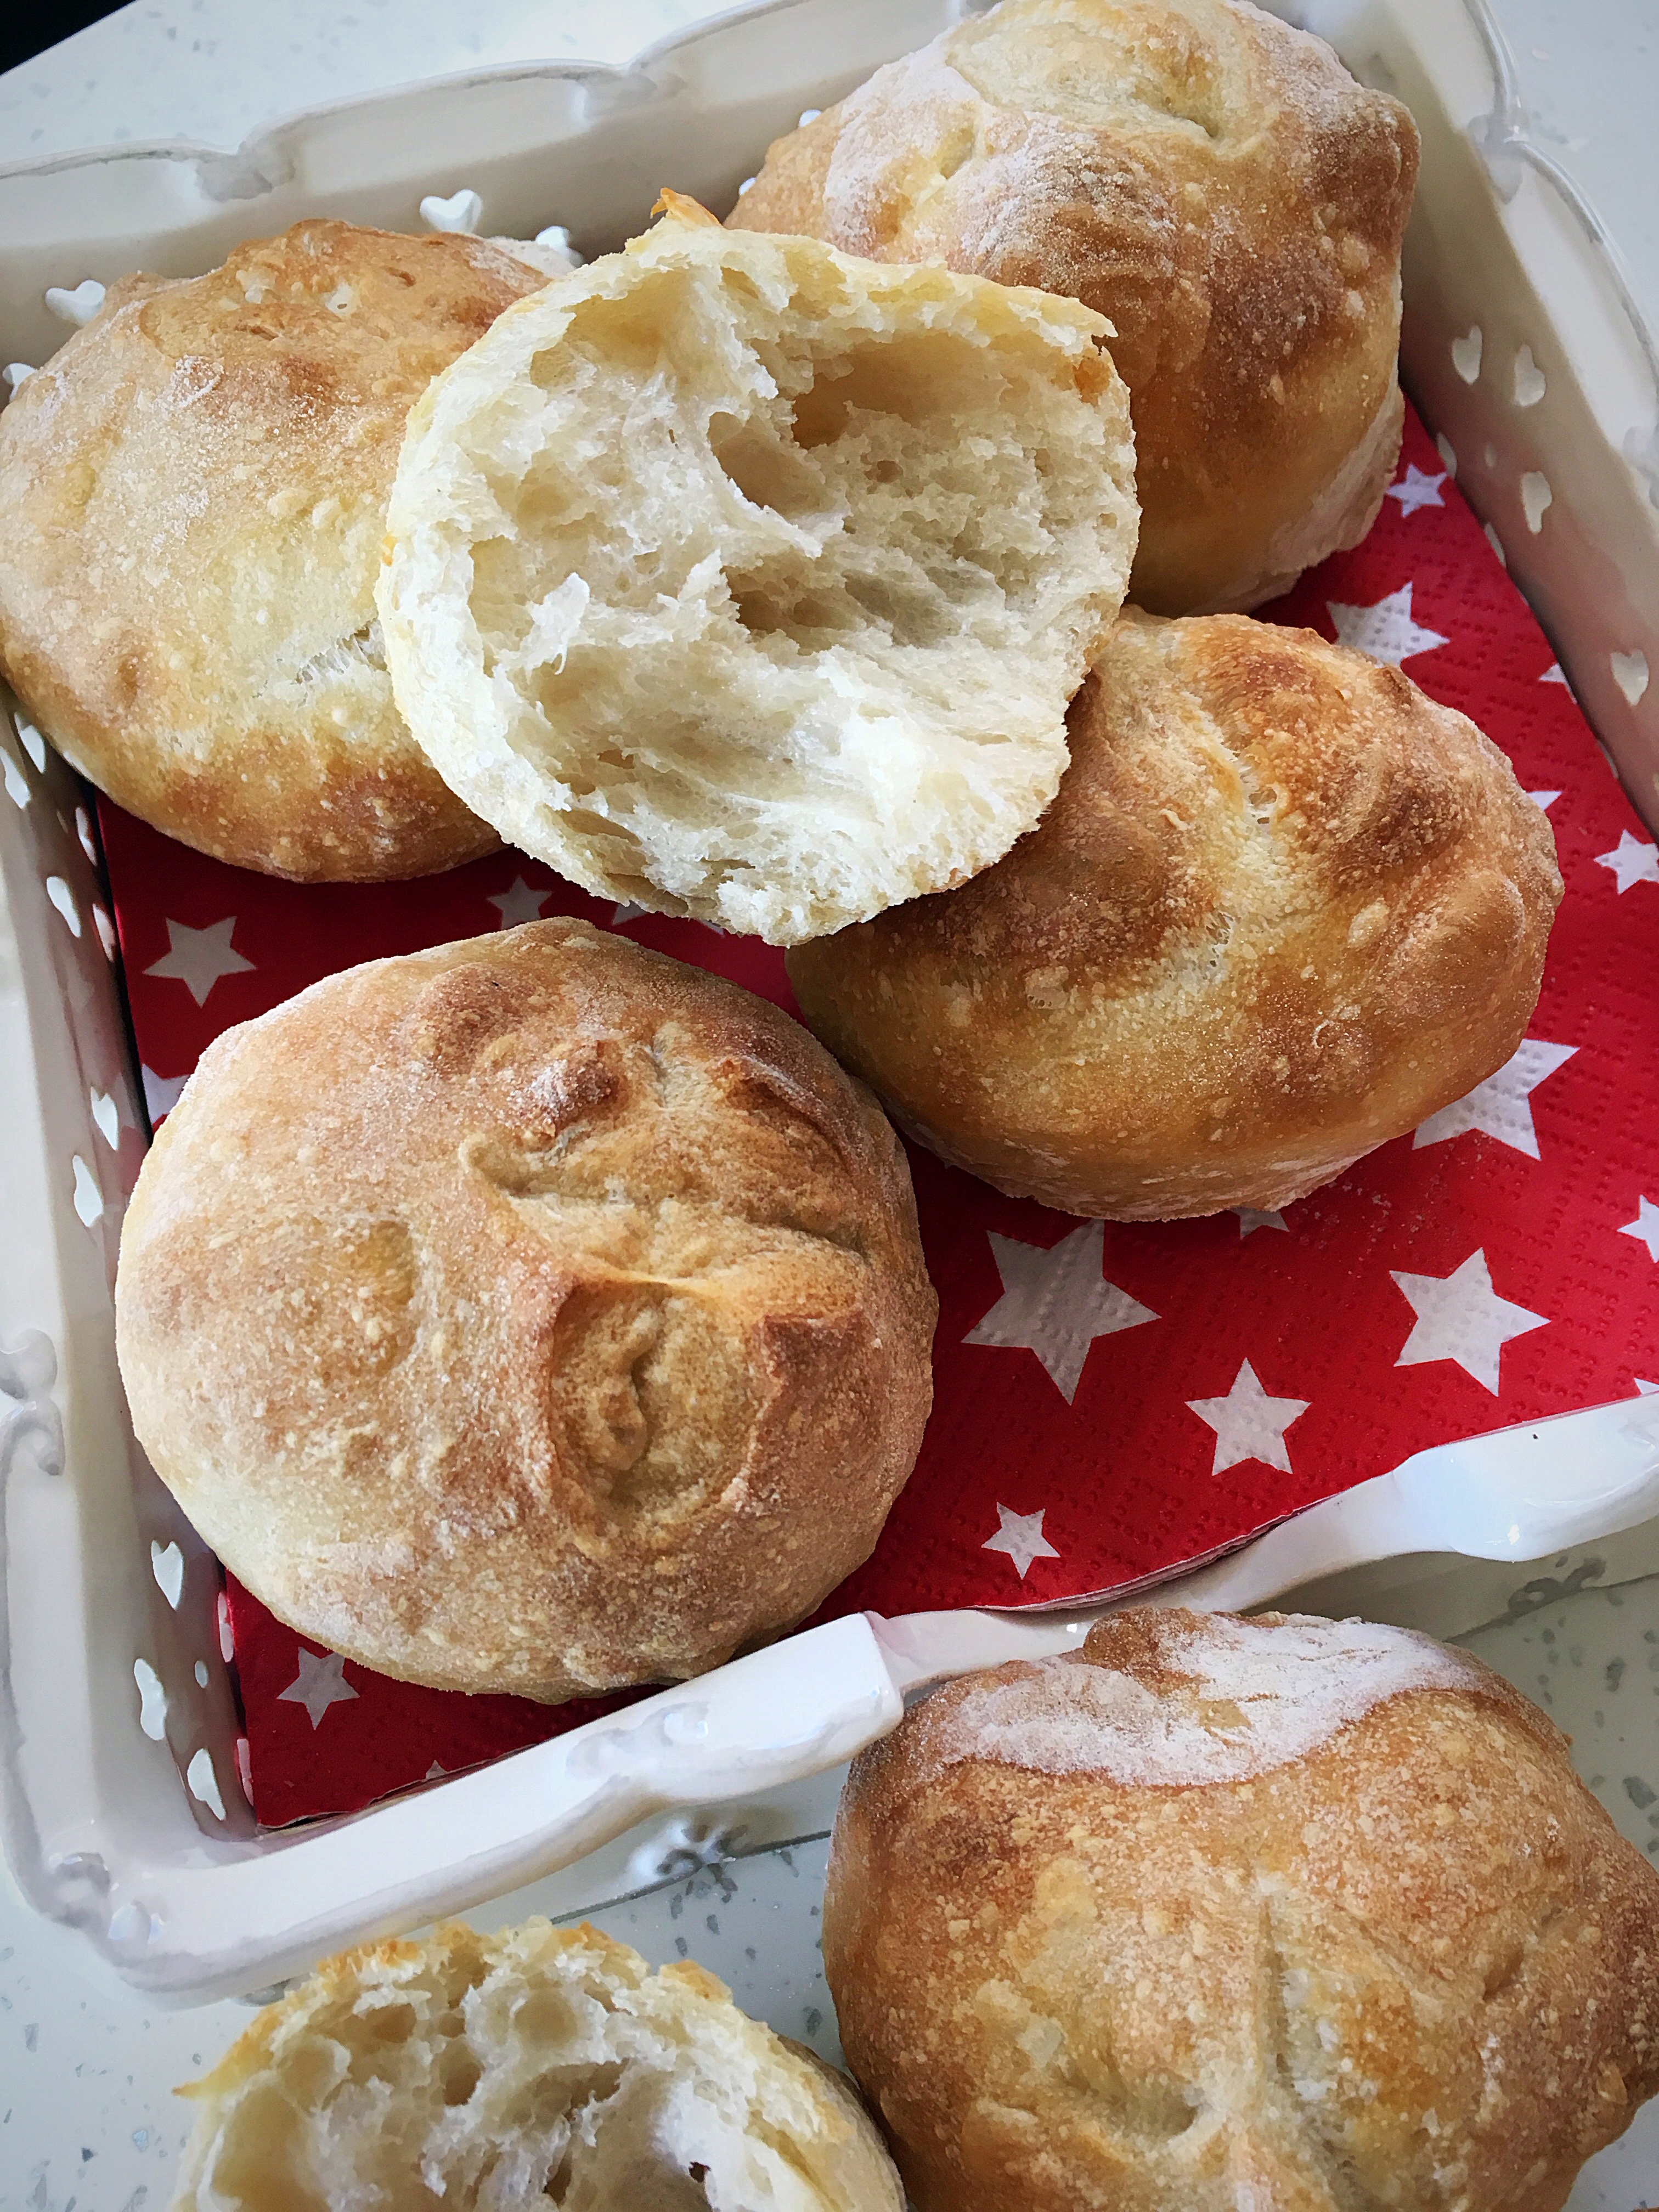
(166, 1563)
(1536, 498)
(1465, 355)
(462, 212)
(1630, 674)
(107, 1115)
(78, 306)
(1529, 384)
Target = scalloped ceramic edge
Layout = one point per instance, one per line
(123, 1814)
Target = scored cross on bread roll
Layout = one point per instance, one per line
(534, 1314)
(1276, 1915)
(1214, 182)
(742, 580)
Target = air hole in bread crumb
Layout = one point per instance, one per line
(460, 2073)
(798, 615)
(767, 471)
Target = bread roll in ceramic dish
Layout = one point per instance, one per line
(1285, 908)
(742, 580)
(195, 491)
(1211, 180)
(507, 2073)
(1286, 1914)
(536, 1314)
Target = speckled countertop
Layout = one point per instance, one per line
(87, 2120)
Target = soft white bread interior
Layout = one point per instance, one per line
(744, 580)
(538, 2067)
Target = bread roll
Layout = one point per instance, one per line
(536, 1314)
(1212, 181)
(1281, 1915)
(739, 579)
(1284, 909)
(508, 2073)
(195, 493)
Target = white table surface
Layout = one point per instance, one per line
(87, 2120)
(214, 70)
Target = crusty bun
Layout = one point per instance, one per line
(194, 490)
(1212, 181)
(537, 1313)
(1287, 1914)
(1285, 908)
(510, 2073)
(740, 580)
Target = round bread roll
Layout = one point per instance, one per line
(1280, 1915)
(195, 491)
(740, 580)
(1212, 181)
(537, 1313)
(507, 2073)
(1284, 909)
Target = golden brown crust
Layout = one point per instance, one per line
(1211, 180)
(1415, 1965)
(195, 489)
(1284, 909)
(536, 1314)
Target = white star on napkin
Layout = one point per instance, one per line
(1631, 861)
(625, 910)
(1248, 1423)
(1544, 800)
(319, 1684)
(1056, 1303)
(1386, 631)
(1501, 1105)
(1460, 1317)
(1417, 489)
(1020, 1534)
(162, 1093)
(520, 903)
(198, 958)
(1252, 1217)
(1645, 1226)
(1555, 674)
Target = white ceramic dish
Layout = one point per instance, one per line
(124, 1820)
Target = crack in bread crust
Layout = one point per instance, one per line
(1280, 892)
(1041, 1968)
(1212, 181)
(536, 1314)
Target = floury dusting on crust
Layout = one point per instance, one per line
(1231, 1699)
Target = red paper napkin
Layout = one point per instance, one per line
(1111, 1401)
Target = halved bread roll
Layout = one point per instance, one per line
(538, 2067)
(745, 581)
